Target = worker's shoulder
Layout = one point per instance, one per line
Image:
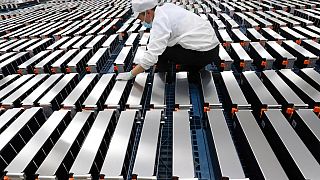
(169, 8)
(167, 5)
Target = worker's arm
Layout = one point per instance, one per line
(159, 37)
(137, 70)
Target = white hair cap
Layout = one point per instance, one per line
(139, 6)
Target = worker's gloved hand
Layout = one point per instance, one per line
(125, 76)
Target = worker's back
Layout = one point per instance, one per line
(187, 29)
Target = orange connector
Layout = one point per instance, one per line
(225, 44)
(285, 62)
(19, 71)
(290, 111)
(206, 109)
(298, 41)
(316, 109)
(178, 66)
(262, 110)
(242, 64)
(101, 177)
(233, 110)
(134, 177)
(115, 69)
(88, 69)
(306, 62)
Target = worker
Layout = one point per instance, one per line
(176, 35)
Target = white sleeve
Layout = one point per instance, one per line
(159, 36)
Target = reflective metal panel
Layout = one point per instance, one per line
(23, 90)
(259, 89)
(263, 55)
(32, 98)
(229, 162)
(209, 90)
(301, 84)
(25, 156)
(122, 57)
(263, 154)
(115, 95)
(312, 74)
(158, 91)
(132, 38)
(283, 88)
(16, 84)
(94, 60)
(182, 91)
(113, 163)
(8, 79)
(99, 90)
(135, 96)
(70, 42)
(17, 125)
(182, 158)
(108, 42)
(46, 99)
(147, 149)
(7, 116)
(78, 91)
(61, 148)
(233, 89)
(90, 147)
(304, 160)
(95, 41)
